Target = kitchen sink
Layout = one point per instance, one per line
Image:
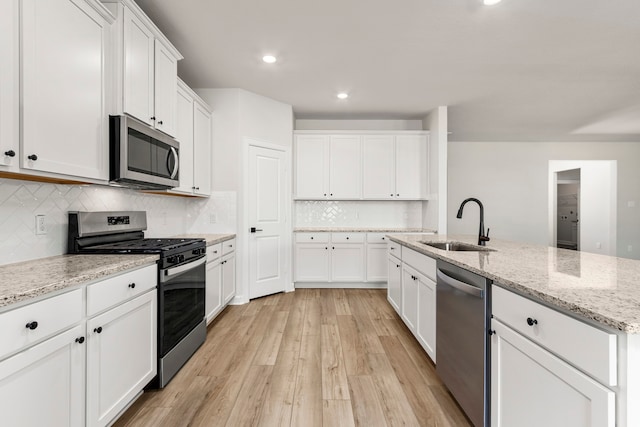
(457, 246)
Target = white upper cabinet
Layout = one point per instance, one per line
(368, 166)
(311, 163)
(411, 167)
(194, 132)
(202, 135)
(139, 53)
(146, 65)
(64, 85)
(345, 169)
(9, 85)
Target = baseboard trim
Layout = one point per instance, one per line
(341, 285)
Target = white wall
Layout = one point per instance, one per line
(240, 115)
(319, 124)
(434, 212)
(511, 179)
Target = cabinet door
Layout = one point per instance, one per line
(165, 87)
(411, 166)
(44, 385)
(312, 262)
(213, 294)
(347, 262)
(184, 135)
(312, 156)
(378, 167)
(426, 326)
(228, 278)
(377, 262)
(394, 284)
(530, 387)
(410, 297)
(9, 83)
(139, 52)
(121, 356)
(64, 117)
(345, 167)
(202, 149)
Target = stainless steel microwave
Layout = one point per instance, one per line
(140, 156)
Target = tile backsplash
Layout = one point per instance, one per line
(21, 201)
(325, 213)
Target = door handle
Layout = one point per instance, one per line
(174, 152)
(253, 229)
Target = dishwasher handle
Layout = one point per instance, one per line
(461, 286)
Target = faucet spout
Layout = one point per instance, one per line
(482, 238)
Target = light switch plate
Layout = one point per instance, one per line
(41, 226)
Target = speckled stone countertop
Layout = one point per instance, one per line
(601, 288)
(359, 230)
(25, 280)
(211, 239)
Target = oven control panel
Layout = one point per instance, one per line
(118, 220)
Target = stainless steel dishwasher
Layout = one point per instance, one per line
(462, 341)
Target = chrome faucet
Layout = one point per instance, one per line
(482, 238)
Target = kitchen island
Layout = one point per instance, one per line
(585, 292)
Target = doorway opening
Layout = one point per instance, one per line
(568, 203)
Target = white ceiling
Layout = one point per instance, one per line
(523, 70)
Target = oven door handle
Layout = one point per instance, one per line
(168, 273)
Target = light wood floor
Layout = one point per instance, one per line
(330, 357)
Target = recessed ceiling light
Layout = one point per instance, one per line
(343, 95)
(269, 59)
(491, 2)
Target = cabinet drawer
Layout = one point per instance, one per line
(118, 289)
(377, 238)
(584, 346)
(347, 237)
(312, 237)
(424, 264)
(214, 252)
(394, 249)
(46, 317)
(228, 246)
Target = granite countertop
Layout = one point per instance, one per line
(598, 287)
(29, 279)
(360, 230)
(211, 239)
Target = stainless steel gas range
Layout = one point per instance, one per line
(181, 279)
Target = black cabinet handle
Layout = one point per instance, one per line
(326, 248)
(153, 117)
(333, 247)
(325, 194)
(391, 194)
(331, 194)
(80, 340)
(383, 238)
(311, 237)
(531, 321)
(347, 238)
(98, 330)
(10, 153)
(132, 285)
(160, 122)
(397, 195)
(32, 157)
(491, 332)
(32, 325)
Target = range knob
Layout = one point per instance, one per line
(172, 259)
(180, 258)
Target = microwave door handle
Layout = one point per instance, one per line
(175, 166)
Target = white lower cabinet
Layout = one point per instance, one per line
(409, 311)
(347, 262)
(228, 277)
(213, 293)
(376, 262)
(312, 262)
(394, 283)
(45, 384)
(530, 387)
(121, 356)
(426, 326)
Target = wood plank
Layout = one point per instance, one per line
(251, 397)
(334, 376)
(312, 320)
(278, 405)
(337, 413)
(341, 302)
(190, 401)
(367, 409)
(353, 348)
(327, 309)
(424, 404)
(450, 408)
(268, 349)
(307, 402)
(292, 336)
(146, 417)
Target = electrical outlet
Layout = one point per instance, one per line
(41, 226)
(598, 245)
(213, 218)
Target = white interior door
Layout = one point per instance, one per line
(267, 215)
